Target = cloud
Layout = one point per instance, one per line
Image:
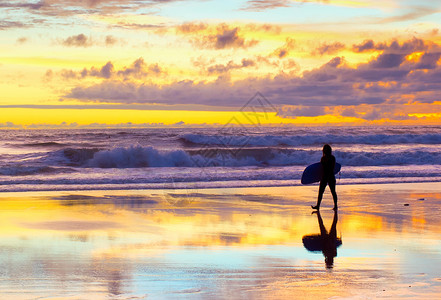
(271, 28)
(349, 112)
(388, 60)
(290, 65)
(261, 5)
(191, 27)
(390, 78)
(409, 46)
(22, 4)
(177, 93)
(201, 27)
(220, 37)
(220, 68)
(224, 36)
(137, 70)
(429, 60)
(329, 48)
(63, 8)
(285, 49)
(79, 40)
(110, 40)
(367, 45)
(415, 12)
(377, 112)
(227, 37)
(137, 26)
(48, 76)
(66, 74)
(10, 125)
(434, 32)
(22, 40)
(4, 24)
(281, 90)
(303, 111)
(105, 71)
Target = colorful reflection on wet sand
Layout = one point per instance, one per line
(222, 243)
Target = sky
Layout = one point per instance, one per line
(162, 62)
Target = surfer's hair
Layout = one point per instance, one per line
(327, 150)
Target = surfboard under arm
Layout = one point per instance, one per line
(313, 173)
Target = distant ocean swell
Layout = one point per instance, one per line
(317, 139)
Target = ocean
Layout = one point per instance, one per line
(196, 158)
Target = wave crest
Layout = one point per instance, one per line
(144, 157)
(138, 157)
(307, 140)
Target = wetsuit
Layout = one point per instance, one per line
(328, 178)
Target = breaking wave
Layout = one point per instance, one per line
(143, 157)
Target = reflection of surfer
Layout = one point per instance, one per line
(328, 178)
(325, 242)
(329, 240)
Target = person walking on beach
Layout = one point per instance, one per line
(328, 178)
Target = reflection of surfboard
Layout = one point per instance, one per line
(315, 242)
(313, 173)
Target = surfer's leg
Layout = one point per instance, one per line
(333, 192)
(322, 187)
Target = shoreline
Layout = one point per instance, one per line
(193, 186)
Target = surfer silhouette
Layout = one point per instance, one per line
(328, 177)
(327, 242)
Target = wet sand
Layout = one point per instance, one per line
(221, 243)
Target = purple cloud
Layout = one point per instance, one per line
(409, 46)
(62, 8)
(79, 40)
(329, 48)
(137, 70)
(220, 68)
(261, 5)
(297, 111)
(5, 24)
(283, 51)
(191, 27)
(224, 36)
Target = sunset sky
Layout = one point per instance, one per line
(76, 62)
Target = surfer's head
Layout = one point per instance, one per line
(327, 150)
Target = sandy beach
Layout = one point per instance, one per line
(220, 243)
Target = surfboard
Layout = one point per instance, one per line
(313, 173)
